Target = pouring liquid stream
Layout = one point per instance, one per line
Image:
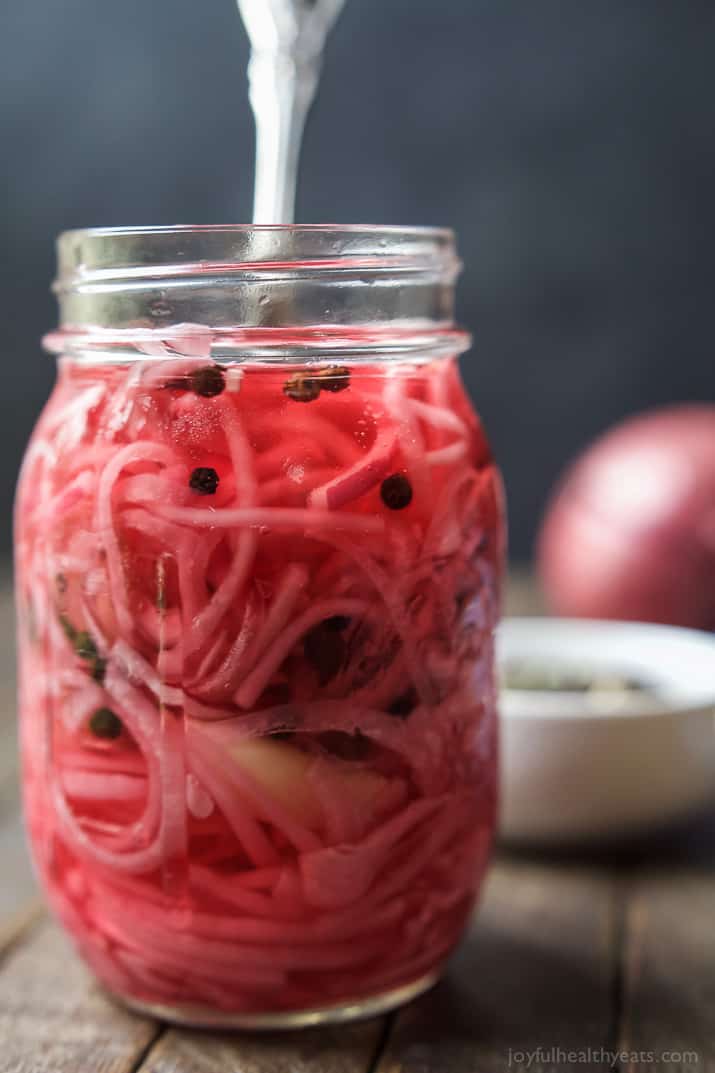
(287, 41)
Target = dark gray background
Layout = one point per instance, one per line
(571, 144)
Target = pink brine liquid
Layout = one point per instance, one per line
(257, 606)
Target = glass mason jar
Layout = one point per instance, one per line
(259, 535)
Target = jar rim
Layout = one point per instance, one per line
(425, 231)
(233, 278)
(90, 255)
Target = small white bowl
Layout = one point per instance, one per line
(576, 767)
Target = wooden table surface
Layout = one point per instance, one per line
(594, 956)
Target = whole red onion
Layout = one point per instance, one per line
(630, 530)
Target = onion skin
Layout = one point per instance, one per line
(629, 532)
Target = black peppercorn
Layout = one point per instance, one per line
(336, 378)
(324, 647)
(302, 388)
(105, 724)
(208, 380)
(204, 480)
(403, 705)
(396, 492)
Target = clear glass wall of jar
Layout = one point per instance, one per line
(259, 535)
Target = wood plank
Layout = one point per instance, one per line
(9, 758)
(17, 886)
(55, 1019)
(342, 1049)
(669, 973)
(535, 975)
(15, 927)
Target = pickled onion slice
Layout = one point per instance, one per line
(359, 478)
(291, 656)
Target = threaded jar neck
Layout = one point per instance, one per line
(266, 291)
